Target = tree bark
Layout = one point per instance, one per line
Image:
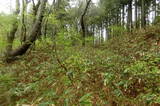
(129, 23)
(32, 34)
(143, 20)
(82, 23)
(35, 7)
(123, 15)
(136, 12)
(155, 8)
(23, 27)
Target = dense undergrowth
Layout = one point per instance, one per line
(124, 71)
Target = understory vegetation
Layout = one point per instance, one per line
(80, 53)
(122, 71)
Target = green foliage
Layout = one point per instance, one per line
(117, 30)
(124, 71)
(52, 19)
(85, 100)
(6, 21)
(157, 20)
(2, 44)
(68, 38)
(138, 73)
(65, 37)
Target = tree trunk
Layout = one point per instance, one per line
(136, 12)
(158, 8)
(123, 15)
(23, 27)
(35, 7)
(82, 23)
(129, 26)
(46, 20)
(155, 7)
(32, 34)
(143, 20)
(139, 17)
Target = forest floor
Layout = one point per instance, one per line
(124, 71)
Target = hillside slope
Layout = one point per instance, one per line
(124, 71)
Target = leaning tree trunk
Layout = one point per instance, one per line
(32, 35)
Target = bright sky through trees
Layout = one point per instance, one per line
(7, 5)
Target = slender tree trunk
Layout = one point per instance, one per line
(102, 38)
(123, 15)
(58, 4)
(143, 20)
(129, 26)
(139, 17)
(158, 8)
(46, 21)
(93, 31)
(82, 23)
(155, 8)
(23, 27)
(117, 17)
(136, 14)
